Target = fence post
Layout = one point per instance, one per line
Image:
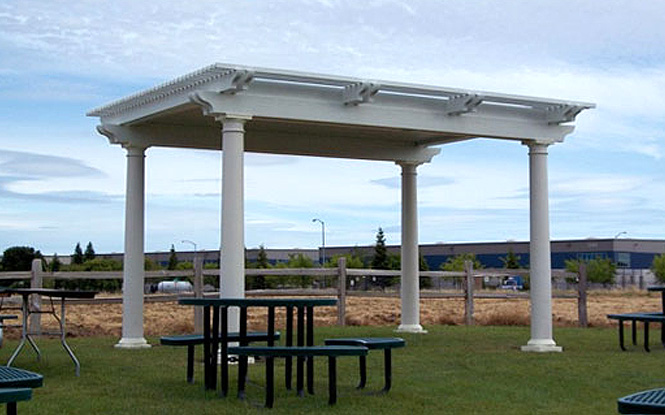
(198, 293)
(581, 296)
(468, 293)
(341, 303)
(36, 300)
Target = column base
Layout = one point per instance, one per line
(542, 346)
(127, 343)
(410, 328)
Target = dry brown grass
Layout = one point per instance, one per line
(168, 317)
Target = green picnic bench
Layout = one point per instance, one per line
(645, 402)
(16, 385)
(301, 352)
(11, 396)
(645, 318)
(372, 343)
(191, 340)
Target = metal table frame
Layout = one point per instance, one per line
(213, 339)
(27, 311)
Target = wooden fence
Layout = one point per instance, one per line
(471, 279)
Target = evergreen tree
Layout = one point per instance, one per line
(55, 264)
(511, 261)
(77, 258)
(658, 267)
(19, 258)
(262, 258)
(173, 259)
(89, 254)
(380, 260)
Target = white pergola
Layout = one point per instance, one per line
(237, 109)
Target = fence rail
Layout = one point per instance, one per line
(469, 279)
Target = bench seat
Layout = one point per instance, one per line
(191, 340)
(11, 396)
(270, 353)
(645, 402)
(373, 343)
(646, 318)
(12, 377)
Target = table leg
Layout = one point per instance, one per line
(63, 333)
(225, 353)
(362, 362)
(207, 348)
(310, 342)
(332, 380)
(24, 332)
(288, 365)
(270, 381)
(621, 335)
(214, 334)
(387, 369)
(646, 336)
(300, 360)
(242, 360)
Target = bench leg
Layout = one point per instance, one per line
(662, 334)
(332, 380)
(190, 363)
(362, 363)
(634, 332)
(646, 336)
(300, 366)
(11, 408)
(387, 369)
(270, 381)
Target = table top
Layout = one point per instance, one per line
(50, 292)
(656, 288)
(258, 302)
(19, 378)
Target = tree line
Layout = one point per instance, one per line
(19, 258)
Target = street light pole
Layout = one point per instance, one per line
(323, 240)
(187, 241)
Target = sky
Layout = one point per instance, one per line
(62, 183)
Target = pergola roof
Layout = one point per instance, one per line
(321, 115)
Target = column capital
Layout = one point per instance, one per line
(134, 150)
(537, 146)
(226, 117)
(408, 165)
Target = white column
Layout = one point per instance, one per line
(410, 290)
(541, 268)
(232, 263)
(133, 271)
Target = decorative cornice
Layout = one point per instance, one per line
(231, 79)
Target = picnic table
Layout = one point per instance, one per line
(645, 318)
(27, 310)
(216, 311)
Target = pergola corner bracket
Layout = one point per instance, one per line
(234, 81)
(360, 92)
(463, 103)
(562, 113)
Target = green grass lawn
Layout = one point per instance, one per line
(451, 370)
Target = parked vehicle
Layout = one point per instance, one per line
(514, 283)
